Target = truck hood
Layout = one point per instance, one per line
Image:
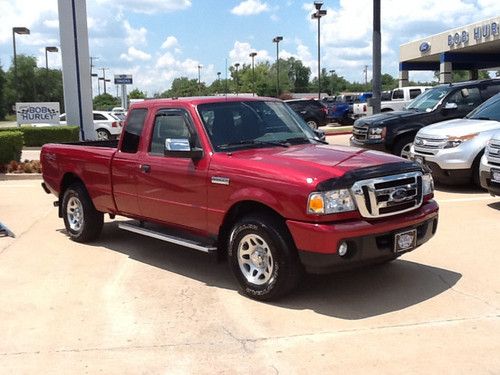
(458, 128)
(319, 162)
(388, 117)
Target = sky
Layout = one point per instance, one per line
(159, 40)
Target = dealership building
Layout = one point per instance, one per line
(473, 47)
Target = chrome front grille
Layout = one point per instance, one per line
(427, 145)
(493, 155)
(360, 133)
(390, 195)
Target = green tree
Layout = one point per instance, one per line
(183, 86)
(21, 87)
(3, 107)
(105, 102)
(136, 94)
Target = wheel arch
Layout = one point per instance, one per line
(68, 179)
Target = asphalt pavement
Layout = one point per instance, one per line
(128, 304)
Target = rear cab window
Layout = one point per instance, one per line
(133, 130)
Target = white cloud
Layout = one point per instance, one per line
(170, 42)
(51, 24)
(134, 36)
(250, 7)
(134, 54)
(148, 6)
(241, 51)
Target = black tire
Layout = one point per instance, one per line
(82, 221)
(283, 267)
(476, 178)
(103, 135)
(401, 146)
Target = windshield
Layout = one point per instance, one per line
(489, 110)
(428, 100)
(253, 124)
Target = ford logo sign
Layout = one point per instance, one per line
(399, 195)
(425, 47)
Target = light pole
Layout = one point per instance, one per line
(237, 83)
(252, 55)
(332, 72)
(199, 79)
(104, 80)
(277, 40)
(317, 15)
(49, 49)
(20, 31)
(218, 80)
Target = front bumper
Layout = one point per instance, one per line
(368, 241)
(370, 145)
(485, 177)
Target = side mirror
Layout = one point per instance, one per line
(464, 92)
(181, 148)
(450, 106)
(320, 134)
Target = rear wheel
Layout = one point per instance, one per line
(82, 221)
(312, 124)
(103, 135)
(263, 258)
(403, 145)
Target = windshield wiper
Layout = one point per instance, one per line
(482, 118)
(252, 142)
(296, 140)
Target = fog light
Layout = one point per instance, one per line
(342, 250)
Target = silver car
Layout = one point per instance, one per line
(490, 166)
(453, 149)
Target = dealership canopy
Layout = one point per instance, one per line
(473, 47)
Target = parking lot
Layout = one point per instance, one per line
(129, 304)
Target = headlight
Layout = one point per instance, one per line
(427, 184)
(457, 141)
(330, 202)
(377, 132)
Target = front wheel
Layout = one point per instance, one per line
(82, 221)
(403, 146)
(312, 124)
(263, 258)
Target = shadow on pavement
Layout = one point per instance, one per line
(349, 295)
(460, 189)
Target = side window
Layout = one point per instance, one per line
(490, 90)
(99, 117)
(414, 93)
(397, 94)
(466, 102)
(133, 129)
(168, 124)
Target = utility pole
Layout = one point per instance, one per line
(92, 74)
(104, 77)
(365, 70)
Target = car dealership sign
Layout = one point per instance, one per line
(37, 113)
(123, 79)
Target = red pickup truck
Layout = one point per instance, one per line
(247, 179)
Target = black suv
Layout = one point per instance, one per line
(394, 131)
(311, 110)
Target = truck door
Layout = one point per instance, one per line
(172, 189)
(126, 165)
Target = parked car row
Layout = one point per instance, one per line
(447, 128)
(312, 111)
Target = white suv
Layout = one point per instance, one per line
(489, 168)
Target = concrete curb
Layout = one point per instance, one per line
(20, 176)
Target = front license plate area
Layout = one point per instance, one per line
(405, 241)
(495, 175)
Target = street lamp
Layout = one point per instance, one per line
(252, 55)
(199, 79)
(20, 31)
(317, 15)
(49, 49)
(218, 80)
(237, 83)
(277, 40)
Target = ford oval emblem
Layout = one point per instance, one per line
(399, 195)
(425, 47)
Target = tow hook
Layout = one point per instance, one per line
(6, 232)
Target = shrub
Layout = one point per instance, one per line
(11, 146)
(36, 137)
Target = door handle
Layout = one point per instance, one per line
(146, 168)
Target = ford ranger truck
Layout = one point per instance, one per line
(246, 179)
(489, 168)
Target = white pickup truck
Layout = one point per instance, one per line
(399, 98)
